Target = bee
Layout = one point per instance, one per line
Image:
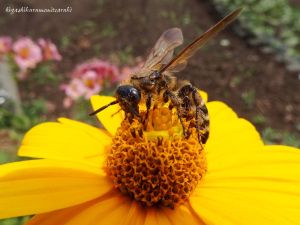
(155, 83)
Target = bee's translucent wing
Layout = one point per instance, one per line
(179, 62)
(162, 51)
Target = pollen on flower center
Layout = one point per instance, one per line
(162, 122)
(155, 163)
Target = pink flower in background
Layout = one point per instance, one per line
(5, 44)
(90, 77)
(103, 69)
(67, 102)
(92, 83)
(49, 50)
(75, 89)
(27, 53)
(78, 88)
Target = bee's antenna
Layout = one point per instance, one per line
(133, 110)
(103, 107)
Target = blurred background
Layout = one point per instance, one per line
(52, 62)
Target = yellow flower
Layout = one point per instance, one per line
(245, 181)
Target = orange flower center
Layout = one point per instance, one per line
(89, 83)
(24, 52)
(48, 49)
(155, 163)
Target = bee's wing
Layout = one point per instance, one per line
(162, 51)
(179, 62)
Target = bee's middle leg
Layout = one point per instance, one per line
(168, 94)
(148, 105)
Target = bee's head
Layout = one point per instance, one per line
(128, 97)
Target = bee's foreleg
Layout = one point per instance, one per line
(168, 94)
(129, 116)
(148, 105)
(116, 113)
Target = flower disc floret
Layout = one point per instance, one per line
(162, 171)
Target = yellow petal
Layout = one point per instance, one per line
(117, 209)
(181, 215)
(44, 185)
(261, 187)
(229, 135)
(114, 208)
(94, 132)
(135, 214)
(69, 140)
(110, 123)
(156, 217)
(220, 112)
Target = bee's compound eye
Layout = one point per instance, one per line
(129, 93)
(135, 95)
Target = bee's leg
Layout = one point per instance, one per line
(130, 117)
(168, 94)
(203, 138)
(116, 113)
(201, 109)
(148, 104)
(197, 125)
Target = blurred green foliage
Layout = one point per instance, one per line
(273, 23)
(15, 220)
(248, 97)
(271, 136)
(259, 119)
(32, 116)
